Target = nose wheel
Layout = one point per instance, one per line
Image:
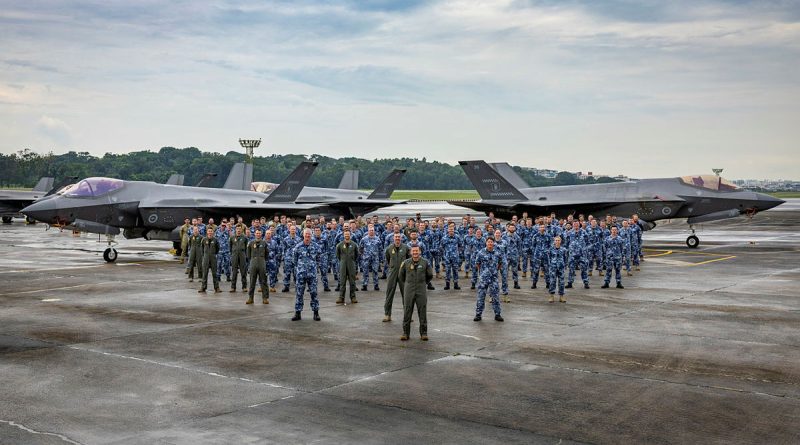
(110, 255)
(692, 241)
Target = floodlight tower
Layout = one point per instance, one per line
(249, 145)
(717, 171)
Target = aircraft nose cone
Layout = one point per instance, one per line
(766, 202)
(44, 211)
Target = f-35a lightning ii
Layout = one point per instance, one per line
(13, 201)
(149, 210)
(699, 199)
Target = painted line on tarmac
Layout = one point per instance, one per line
(43, 433)
(663, 252)
(55, 269)
(714, 260)
(86, 284)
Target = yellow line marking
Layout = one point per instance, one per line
(663, 253)
(714, 260)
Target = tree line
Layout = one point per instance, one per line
(25, 167)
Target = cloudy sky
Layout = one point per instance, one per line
(646, 88)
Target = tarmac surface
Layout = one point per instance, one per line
(702, 346)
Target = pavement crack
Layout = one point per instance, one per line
(43, 433)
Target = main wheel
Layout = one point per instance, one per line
(30, 220)
(692, 241)
(7, 220)
(110, 255)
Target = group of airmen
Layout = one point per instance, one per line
(409, 255)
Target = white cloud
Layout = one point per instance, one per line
(55, 129)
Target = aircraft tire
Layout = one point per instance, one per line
(7, 220)
(30, 220)
(110, 255)
(692, 241)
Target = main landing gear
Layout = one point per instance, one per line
(692, 241)
(110, 254)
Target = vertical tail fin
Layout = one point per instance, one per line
(385, 189)
(240, 177)
(175, 179)
(349, 180)
(44, 184)
(507, 172)
(290, 188)
(489, 183)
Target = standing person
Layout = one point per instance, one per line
(451, 245)
(289, 243)
(189, 244)
(224, 256)
(238, 247)
(488, 263)
(321, 238)
(304, 258)
(502, 249)
(577, 255)
(513, 248)
(258, 254)
(414, 273)
(195, 254)
(625, 234)
(370, 256)
(209, 248)
(185, 234)
(395, 254)
(477, 241)
(347, 255)
(274, 259)
(557, 261)
(541, 244)
(635, 221)
(636, 240)
(615, 249)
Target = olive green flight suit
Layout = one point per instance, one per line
(258, 253)
(347, 253)
(394, 258)
(184, 240)
(239, 259)
(210, 248)
(195, 256)
(415, 276)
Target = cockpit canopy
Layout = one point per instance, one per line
(710, 182)
(94, 187)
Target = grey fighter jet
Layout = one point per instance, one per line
(699, 199)
(149, 210)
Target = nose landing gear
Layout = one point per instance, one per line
(110, 254)
(692, 241)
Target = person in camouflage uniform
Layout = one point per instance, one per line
(576, 250)
(321, 239)
(615, 249)
(557, 258)
(287, 246)
(488, 263)
(224, 256)
(513, 244)
(451, 245)
(370, 250)
(304, 258)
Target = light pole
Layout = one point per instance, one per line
(249, 145)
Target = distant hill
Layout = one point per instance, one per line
(23, 169)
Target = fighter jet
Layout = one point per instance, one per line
(700, 198)
(13, 201)
(149, 210)
(347, 202)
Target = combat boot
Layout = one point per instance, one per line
(604, 286)
(477, 317)
(568, 286)
(316, 316)
(387, 318)
(601, 273)
(340, 300)
(249, 301)
(201, 291)
(364, 287)
(516, 285)
(377, 288)
(430, 286)
(272, 289)
(438, 276)
(524, 274)
(562, 299)
(423, 337)
(404, 337)
(498, 318)
(327, 289)
(638, 269)
(472, 287)
(296, 316)
(533, 286)
(586, 285)
(620, 286)
(265, 301)
(233, 289)
(456, 286)
(353, 300)
(285, 289)
(629, 273)
(446, 285)
(590, 273)
(552, 299)
(216, 290)
(338, 288)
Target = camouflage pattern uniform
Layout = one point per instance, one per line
(488, 264)
(304, 258)
(557, 261)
